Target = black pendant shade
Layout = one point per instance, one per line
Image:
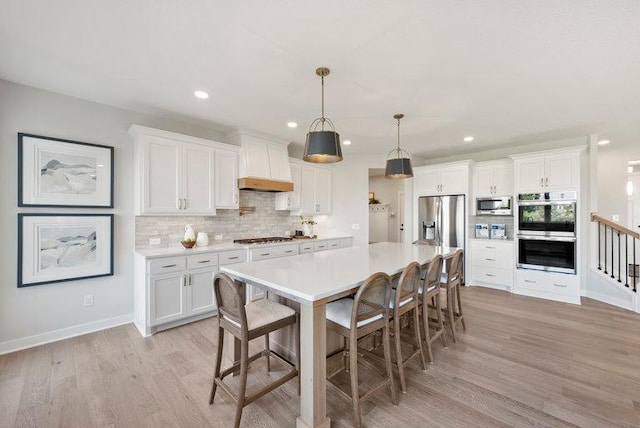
(322, 147)
(398, 160)
(398, 168)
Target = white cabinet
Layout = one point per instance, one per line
(442, 179)
(180, 287)
(291, 200)
(176, 174)
(547, 171)
(492, 263)
(263, 253)
(548, 285)
(493, 178)
(226, 179)
(261, 158)
(311, 191)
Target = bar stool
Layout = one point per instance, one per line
(430, 299)
(247, 322)
(404, 299)
(452, 281)
(368, 311)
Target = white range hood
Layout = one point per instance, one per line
(264, 164)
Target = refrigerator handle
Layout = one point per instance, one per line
(438, 234)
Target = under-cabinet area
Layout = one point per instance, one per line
(175, 286)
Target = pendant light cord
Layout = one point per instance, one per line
(322, 116)
(398, 149)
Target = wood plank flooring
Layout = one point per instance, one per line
(522, 362)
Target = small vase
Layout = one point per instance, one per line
(202, 239)
(307, 229)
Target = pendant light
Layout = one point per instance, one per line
(398, 160)
(322, 146)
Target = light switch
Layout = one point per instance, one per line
(615, 217)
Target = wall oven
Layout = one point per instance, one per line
(547, 231)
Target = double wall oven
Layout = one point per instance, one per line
(547, 231)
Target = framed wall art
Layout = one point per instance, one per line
(63, 247)
(62, 173)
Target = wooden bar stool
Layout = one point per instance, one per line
(247, 322)
(430, 299)
(451, 282)
(404, 299)
(354, 318)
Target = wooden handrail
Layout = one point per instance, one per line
(614, 226)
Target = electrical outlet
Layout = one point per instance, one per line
(287, 233)
(154, 241)
(218, 237)
(615, 217)
(355, 226)
(88, 299)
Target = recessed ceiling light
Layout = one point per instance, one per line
(468, 139)
(292, 125)
(201, 94)
(347, 142)
(603, 142)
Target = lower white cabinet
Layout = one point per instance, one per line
(492, 263)
(548, 285)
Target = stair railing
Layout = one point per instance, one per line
(611, 252)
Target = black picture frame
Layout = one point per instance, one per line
(46, 180)
(59, 247)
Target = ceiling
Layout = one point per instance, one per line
(505, 71)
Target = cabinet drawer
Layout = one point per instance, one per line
(333, 245)
(320, 246)
(546, 282)
(345, 243)
(230, 257)
(287, 250)
(202, 260)
(307, 247)
(168, 264)
(493, 275)
(498, 255)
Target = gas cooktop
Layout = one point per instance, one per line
(267, 240)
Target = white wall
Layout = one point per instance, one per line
(613, 177)
(48, 312)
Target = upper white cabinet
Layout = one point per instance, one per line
(226, 179)
(261, 158)
(493, 178)
(442, 179)
(311, 190)
(180, 175)
(547, 171)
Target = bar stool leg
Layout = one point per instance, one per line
(396, 339)
(267, 351)
(387, 356)
(425, 328)
(416, 329)
(438, 305)
(355, 392)
(244, 368)
(451, 315)
(216, 372)
(464, 327)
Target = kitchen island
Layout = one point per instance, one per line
(315, 279)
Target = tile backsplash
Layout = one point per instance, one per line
(264, 221)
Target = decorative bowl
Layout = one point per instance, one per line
(188, 244)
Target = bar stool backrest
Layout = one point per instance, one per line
(434, 273)
(408, 284)
(372, 299)
(454, 268)
(230, 300)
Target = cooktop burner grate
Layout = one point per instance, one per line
(266, 240)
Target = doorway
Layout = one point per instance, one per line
(386, 208)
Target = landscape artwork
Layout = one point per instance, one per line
(64, 173)
(63, 247)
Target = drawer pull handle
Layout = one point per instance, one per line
(234, 258)
(168, 266)
(204, 261)
(289, 251)
(490, 248)
(490, 260)
(265, 254)
(489, 274)
(560, 285)
(529, 281)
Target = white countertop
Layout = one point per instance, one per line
(316, 276)
(217, 246)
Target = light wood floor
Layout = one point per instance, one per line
(522, 362)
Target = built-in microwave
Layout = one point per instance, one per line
(495, 205)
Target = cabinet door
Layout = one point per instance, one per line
(483, 181)
(529, 175)
(427, 183)
(323, 192)
(255, 158)
(290, 201)
(167, 297)
(503, 180)
(200, 291)
(198, 178)
(279, 162)
(453, 181)
(162, 169)
(562, 172)
(226, 179)
(307, 191)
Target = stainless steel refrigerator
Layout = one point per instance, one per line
(441, 220)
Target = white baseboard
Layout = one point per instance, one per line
(63, 333)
